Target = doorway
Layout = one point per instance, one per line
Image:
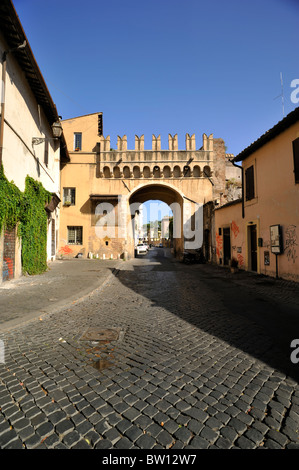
(226, 245)
(252, 247)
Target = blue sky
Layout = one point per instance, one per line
(168, 66)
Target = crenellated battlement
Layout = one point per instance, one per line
(156, 163)
(206, 160)
(190, 143)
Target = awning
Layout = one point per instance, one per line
(103, 197)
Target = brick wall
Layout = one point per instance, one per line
(8, 271)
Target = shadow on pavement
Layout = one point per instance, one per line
(256, 315)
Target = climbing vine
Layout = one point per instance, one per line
(33, 227)
(10, 202)
(27, 209)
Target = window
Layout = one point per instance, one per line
(69, 196)
(249, 183)
(296, 159)
(78, 141)
(46, 153)
(74, 235)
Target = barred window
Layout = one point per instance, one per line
(69, 196)
(78, 141)
(74, 235)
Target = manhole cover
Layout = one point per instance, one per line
(101, 334)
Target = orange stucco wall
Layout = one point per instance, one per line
(276, 202)
(88, 126)
(231, 216)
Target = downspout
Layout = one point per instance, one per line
(2, 103)
(241, 168)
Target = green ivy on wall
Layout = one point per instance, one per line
(33, 227)
(26, 209)
(10, 202)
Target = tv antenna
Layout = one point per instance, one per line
(281, 95)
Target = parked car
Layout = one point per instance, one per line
(141, 248)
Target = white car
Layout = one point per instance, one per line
(141, 248)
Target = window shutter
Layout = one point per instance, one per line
(249, 182)
(296, 159)
(46, 153)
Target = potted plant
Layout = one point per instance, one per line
(234, 265)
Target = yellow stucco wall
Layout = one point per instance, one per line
(82, 177)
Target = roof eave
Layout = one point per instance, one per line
(14, 35)
(280, 127)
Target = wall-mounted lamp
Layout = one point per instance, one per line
(57, 133)
(21, 46)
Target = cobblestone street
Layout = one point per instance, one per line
(164, 356)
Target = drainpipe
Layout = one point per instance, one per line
(240, 168)
(4, 56)
(2, 103)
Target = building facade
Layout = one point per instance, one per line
(261, 230)
(124, 179)
(27, 144)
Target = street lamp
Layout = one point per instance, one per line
(56, 131)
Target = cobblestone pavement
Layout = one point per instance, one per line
(166, 356)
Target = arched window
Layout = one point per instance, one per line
(207, 171)
(106, 172)
(136, 172)
(156, 172)
(176, 171)
(116, 172)
(196, 171)
(166, 172)
(126, 172)
(187, 171)
(146, 172)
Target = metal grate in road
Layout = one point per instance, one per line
(101, 334)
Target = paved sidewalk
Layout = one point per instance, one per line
(65, 282)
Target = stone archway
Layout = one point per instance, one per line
(168, 195)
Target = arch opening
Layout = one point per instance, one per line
(159, 221)
(126, 172)
(106, 172)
